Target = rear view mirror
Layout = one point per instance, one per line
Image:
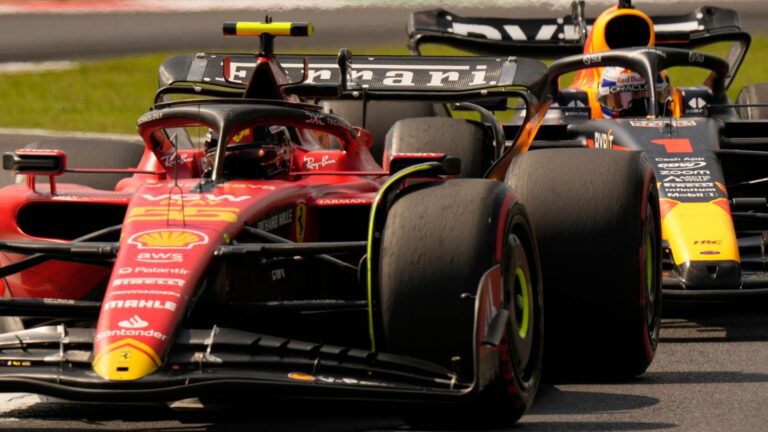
(36, 162)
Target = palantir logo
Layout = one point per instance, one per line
(133, 323)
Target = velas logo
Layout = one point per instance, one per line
(168, 239)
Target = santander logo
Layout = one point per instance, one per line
(133, 323)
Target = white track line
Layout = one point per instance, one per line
(8, 7)
(68, 134)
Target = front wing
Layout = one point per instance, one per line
(56, 361)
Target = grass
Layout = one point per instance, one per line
(109, 95)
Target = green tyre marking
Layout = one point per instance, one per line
(648, 265)
(371, 231)
(526, 309)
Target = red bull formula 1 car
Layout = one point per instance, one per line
(257, 248)
(706, 151)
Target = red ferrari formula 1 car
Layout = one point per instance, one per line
(706, 151)
(257, 248)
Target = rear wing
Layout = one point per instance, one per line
(346, 76)
(555, 37)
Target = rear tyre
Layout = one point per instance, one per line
(454, 137)
(380, 116)
(753, 94)
(596, 219)
(87, 153)
(437, 245)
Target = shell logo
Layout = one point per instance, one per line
(168, 239)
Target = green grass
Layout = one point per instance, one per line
(109, 95)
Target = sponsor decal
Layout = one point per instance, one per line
(662, 123)
(301, 222)
(675, 145)
(168, 239)
(275, 221)
(593, 58)
(687, 179)
(310, 164)
(17, 363)
(694, 57)
(315, 119)
(343, 201)
(152, 270)
(247, 186)
(278, 274)
(603, 140)
(140, 304)
(549, 31)
(135, 322)
(148, 281)
(652, 51)
(194, 199)
(707, 242)
(175, 159)
(244, 135)
(187, 214)
(390, 75)
(131, 332)
(159, 257)
(690, 190)
(150, 116)
(710, 252)
(145, 292)
(683, 165)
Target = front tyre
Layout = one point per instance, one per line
(596, 219)
(439, 245)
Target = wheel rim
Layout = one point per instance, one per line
(518, 300)
(651, 295)
(522, 305)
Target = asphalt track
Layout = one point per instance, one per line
(710, 373)
(36, 36)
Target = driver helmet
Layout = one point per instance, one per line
(624, 93)
(254, 153)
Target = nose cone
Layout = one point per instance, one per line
(126, 360)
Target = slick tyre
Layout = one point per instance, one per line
(596, 219)
(454, 137)
(751, 95)
(439, 243)
(92, 153)
(380, 116)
